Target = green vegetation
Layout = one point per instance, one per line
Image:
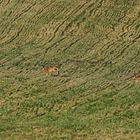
(96, 46)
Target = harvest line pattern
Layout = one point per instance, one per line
(94, 43)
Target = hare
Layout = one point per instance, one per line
(50, 70)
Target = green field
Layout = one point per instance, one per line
(95, 44)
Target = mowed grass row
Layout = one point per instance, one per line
(95, 45)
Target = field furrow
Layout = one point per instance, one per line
(95, 45)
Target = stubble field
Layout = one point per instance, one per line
(95, 44)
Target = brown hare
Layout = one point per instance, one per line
(50, 70)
